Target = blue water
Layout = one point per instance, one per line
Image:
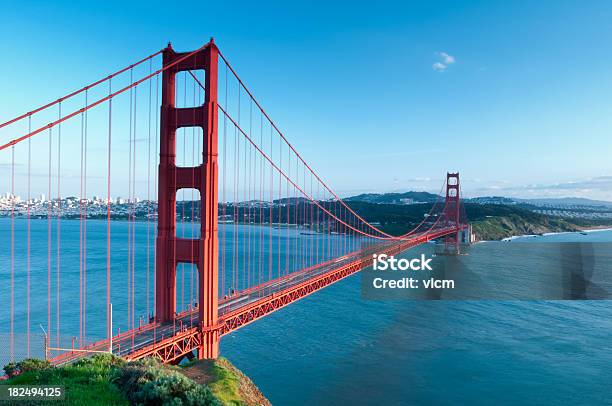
(334, 347)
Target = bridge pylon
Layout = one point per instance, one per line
(452, 213)
(171, 250)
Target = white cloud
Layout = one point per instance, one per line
(445, 60)
(439, 67)
(599, 188)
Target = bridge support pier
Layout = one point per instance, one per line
(210, 345)
(171, 250)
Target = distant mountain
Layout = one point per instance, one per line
(425, 197)
(395, 198)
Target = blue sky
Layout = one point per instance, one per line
(380, 97)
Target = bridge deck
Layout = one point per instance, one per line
(171, 341)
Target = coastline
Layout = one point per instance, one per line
(596, 229)
(582, 230)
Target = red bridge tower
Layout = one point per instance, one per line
(171, 250)
(451, 241)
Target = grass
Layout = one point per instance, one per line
(84, 383)
(225, 381)
(217, 375)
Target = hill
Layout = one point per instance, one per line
(496, 221)
(226, 382)
(394, 198)
(489, 221)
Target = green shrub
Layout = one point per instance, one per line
(148, 382)
(175, 389)
(11, 370)
(29, 364)
(103, 361)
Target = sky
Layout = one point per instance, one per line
(377, 97)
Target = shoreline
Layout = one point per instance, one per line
(595, 229)
(582, 230)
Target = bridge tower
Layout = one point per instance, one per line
(451, 242)
(171, 250)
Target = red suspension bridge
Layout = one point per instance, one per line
(241, 227)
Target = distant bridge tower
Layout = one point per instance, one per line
(171, 250)
(451, 242)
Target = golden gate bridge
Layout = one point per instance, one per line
(259, 229)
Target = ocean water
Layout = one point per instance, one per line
(335, 347)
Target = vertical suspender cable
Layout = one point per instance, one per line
(261, 206)
(248, 150)
(29, 265)
(234, 213)
(133, 288)
(271, 211)
(108, 215)
(224, 196)
(317, 231)
(245, 247)
(12, 340)
(296, 214)
(157, 130)
(175, 193)
(81, 233)
(287, 220)
(59, 214)
(129, 222)
(49, 212)
(193, 169)
(183, 194)
(237, 202)
(280, 159)
(85, 222)
(149, 194)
